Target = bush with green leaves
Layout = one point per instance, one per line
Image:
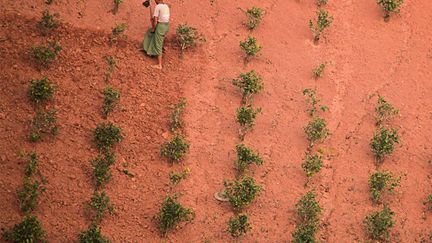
(187, 36)
(245, 157)
(390, 6)
(324, 21)
(384, 111)
(117, 33)
(378, 224)
(246, 116)
(48, 22)
(382, 182)
(111, 98)
(321, 2)
(313, 101)
(28, 231)
(116, 5)
(308, 208)
(92, 235)
(32, 165)
(317, 71)
(383, 143)
(41, 90)
(239, 225)
(176, 177)
(312, 164)
(250, 83)
(241, 192)
(99, 205)
(44, 122)
(305, 233)
(250, 47)
(173, 213)
(316, 130)
(428, 203)
(44, 55)
(106, 135)
(175, 149)
(111, 65)
(176, 119)
(254, 16)
(101, 168)
(28, 195)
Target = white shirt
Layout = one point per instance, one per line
(162, 12)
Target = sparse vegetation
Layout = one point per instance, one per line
(245, 157)
(316, 130)
(321, 2)
(390, 6)
(242, 192)
(317, 72)
(106, 135)
(117, 33)
(44, 55)
(176, 177)
(44, 122)
(313, 100)
(116, 5)
(381, 182)
(250, 47)
(250, 83)
(48, 22)
(246, 118)
(100, 204)
(379, 223)
(32, 165)
(111, 65)
(172, 213)
(28, 195)
(239, 225)
(384, 111)
(323, 21)
(175, 149)
(305, 233)
(28, 231)
(101, 168)
(111, 98)
(188, 36)
(92, 235)
(312, 164)
(382, 143)
(428, 203)
(308, 211)
(176, 121)
(254, 16)
(41, 90)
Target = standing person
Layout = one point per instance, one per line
(154, 38)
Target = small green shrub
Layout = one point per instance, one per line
(323, 21)
(116, 5)
(245, 157)
(111, 65)
(312, 164)
(106, 135)
(242, 192)
(384, 111)
(41, 90)
(381, 182)
(317, 72)
(239, 225)
(250, 47)
(48, 22)
(321, 2)
(176, 121)
(428, 203)
(44, 55)
(308, 208)
(390, 6)
(176, 177)
(316, 130)
(117, 33)
(44, 122)
(28, 231)
(250, 83)
(382, 143)
(379, 223)
(175, 149)
(305, 233)
(99, 205)
(246, 116)
(92, 235)
(313, 100)
(172, 213)
(187, 36)
(101, 168)
(254, 16)
(32, 165)
(28, 195)
(111, 98)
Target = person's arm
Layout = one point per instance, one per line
(154, 18)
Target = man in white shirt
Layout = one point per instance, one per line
(154, 38)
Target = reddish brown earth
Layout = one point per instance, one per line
(366, 57)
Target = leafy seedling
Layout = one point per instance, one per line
(111, 65)
(99, 205)
(176, 120)
(317, 72)
(176, 177)
(321, 3)
(239, 225)
(175, 149)
(308, 208)
(28, 231)
(305, 233)
(117, 34)
(92, 235)
(250, 83)
(390, 6)
(313, 101)
(254, 16)
(382, 182)
(246, 116)
(188, 37)
(245, 157)
(44, 55)
(250, 47)
(428, 203)
(173, 213)
(312, 164)
(242, 192)
(41, 90)
(116, 6)
(32, 165)
(384, 111)
(383, 143)
(44, 122)
(101, 168)
(316, 130)
(111, 98)
(49, 22)
(378, 224)
(323, 21)
(28, 195)
(106, 135)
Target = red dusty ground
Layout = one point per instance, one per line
(365, 57)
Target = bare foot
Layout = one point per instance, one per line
(156, 67)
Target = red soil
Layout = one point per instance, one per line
(366, 57)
